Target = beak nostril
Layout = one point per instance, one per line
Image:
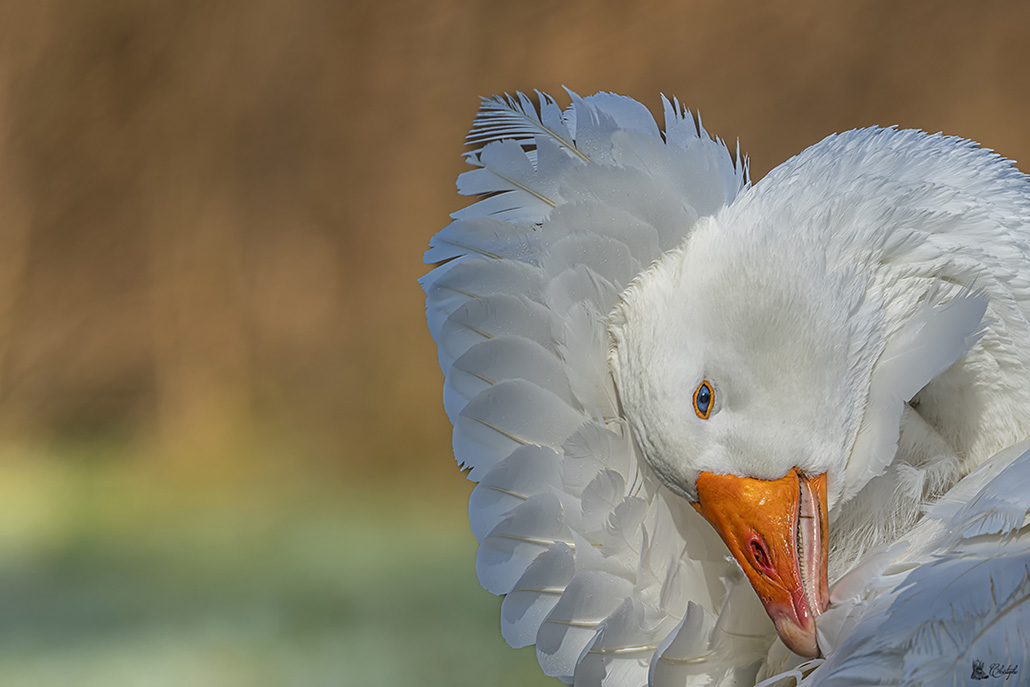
(760, 555)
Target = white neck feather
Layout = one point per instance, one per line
(957, 421)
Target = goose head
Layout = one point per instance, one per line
(746, 364)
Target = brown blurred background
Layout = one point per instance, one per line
(212, 216)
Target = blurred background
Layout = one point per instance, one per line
(223, 455)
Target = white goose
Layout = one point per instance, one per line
(644, 354)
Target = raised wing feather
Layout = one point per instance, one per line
(936, 337)
(599, 562)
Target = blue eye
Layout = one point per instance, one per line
(704, 399)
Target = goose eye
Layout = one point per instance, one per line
(704, 399)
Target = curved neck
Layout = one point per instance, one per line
(959, 419)
(981, 403)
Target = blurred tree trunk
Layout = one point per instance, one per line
(199, 315)
(15, 223)
(24, 33)
(201, 353)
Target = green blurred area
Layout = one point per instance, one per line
(223, 455)
(111, 577)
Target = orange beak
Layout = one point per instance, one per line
(777, 530)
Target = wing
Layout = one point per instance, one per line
(613, 578)
(950, 605)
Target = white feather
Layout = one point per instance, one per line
(590, 597)
(527, 531)
(535, 595)
(529, 470)
(583, 347)
(959, 592)
(498, 359)
(586, 218)
(484, 318)
(505, 170)
(455, 283)
(518, 118)
(620, 651)
(602, 254)
(935, 337)
(683, 656)
(487, 236)
(592, 449)
(508, 415)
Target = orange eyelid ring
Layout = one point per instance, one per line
(704, 399)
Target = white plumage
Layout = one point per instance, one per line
(862, 314)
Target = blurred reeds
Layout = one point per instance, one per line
(213, 213)
(216, 386)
